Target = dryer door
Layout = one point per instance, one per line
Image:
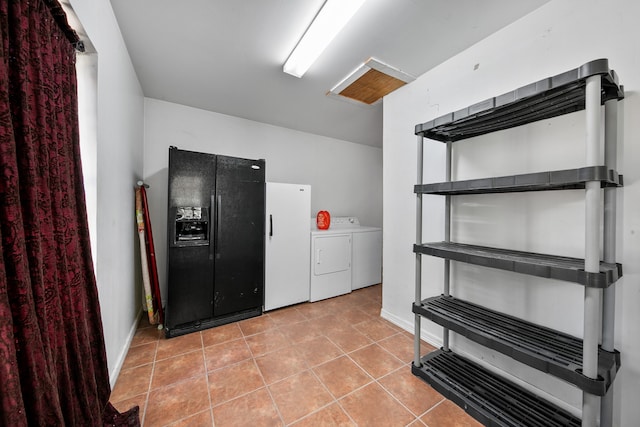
(330, 266)
(332, 254)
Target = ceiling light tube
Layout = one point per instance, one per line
(333, 16)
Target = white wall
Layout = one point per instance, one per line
(345, 178)
(561, 35)
(120, 115)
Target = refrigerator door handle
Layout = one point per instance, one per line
(270, 225)
(218, 222)
(213, 236)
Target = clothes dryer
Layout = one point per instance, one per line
(335, 260)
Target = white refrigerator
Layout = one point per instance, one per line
(287, 244)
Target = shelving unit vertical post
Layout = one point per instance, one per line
(418, 272)
(447, 237)
(593, 217)
(609, 248)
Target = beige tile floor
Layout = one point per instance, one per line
(331, 363)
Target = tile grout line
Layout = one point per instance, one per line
(253, 358)
(376, 380)
(153, 367)
(432, 408)
(273, 401)
(224, 402)
(347, 355)
(404, 366)
(206, 377)
(278, 326)
(179, 381)
(310, 368)
(416, 417)
(335, 399)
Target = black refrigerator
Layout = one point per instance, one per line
(215, 229)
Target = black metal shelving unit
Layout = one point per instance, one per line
(582, 362)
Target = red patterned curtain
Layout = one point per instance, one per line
(53, 367)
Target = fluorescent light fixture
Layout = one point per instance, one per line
(333, 16)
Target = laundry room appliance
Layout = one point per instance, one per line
(366, 253)
(215, 234)
(287, 244)
(346, 256)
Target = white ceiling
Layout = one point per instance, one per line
(226, 56)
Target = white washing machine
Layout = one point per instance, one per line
(366, 257)
(346, 256)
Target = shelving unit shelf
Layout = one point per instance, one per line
(544, 99)
(486, 396)
(582, 362)
(570, 179)
(542, 348)
(541, 265)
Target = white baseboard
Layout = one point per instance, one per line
(427, 337)
(113, 375)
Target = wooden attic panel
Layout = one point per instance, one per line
(371, 86)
